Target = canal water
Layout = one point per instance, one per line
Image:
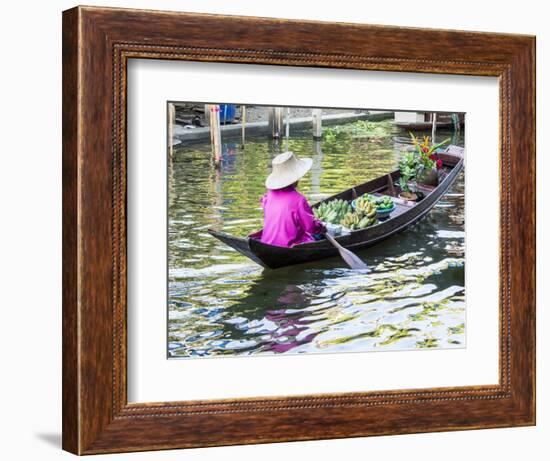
(221, 303)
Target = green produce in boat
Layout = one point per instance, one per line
(332, 212)
(365, 207)
(384, 203)
(364, 216)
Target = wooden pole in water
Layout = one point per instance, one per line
(171, 121)
(279, 112)
(434, 126)
(271, 120)
(215, 132)
(317, 124)
(317, 168)
(287, 128)
(276, 122)
(243, 123)
(456, 122)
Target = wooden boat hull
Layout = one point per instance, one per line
(425, 126)
(274, 257)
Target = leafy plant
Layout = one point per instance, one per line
(408, 166)
(415, 162)
(427, 159)
(404, 183)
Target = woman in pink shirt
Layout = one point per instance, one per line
(288, 218)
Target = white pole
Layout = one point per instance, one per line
(287, 128)
(317, 124)
(434, 126)
(317, 168)
(276, 121)
(171, 121)
(243, 123)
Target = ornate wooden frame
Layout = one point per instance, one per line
(97, 43)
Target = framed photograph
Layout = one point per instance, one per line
(282, 230)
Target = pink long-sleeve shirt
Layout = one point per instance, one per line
(288, 218)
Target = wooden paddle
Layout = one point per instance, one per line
(351, 259)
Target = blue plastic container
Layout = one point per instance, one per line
(227, 113)
(383, 214)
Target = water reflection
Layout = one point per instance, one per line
(220, 303)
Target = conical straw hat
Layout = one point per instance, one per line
(287, 169)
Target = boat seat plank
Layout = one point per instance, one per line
(406, 204)
(401, 208)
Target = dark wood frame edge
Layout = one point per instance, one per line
(97, 42)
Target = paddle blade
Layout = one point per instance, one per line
(351, 259)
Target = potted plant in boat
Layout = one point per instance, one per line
(427, 161)
(407, 180)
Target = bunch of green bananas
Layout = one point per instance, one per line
(365, 207)
(363, 216)
(333, 211)
(367, 221)
(351, 220)
(355, 220)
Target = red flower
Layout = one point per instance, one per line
(433, 157)
(425, 149)
(439, 164)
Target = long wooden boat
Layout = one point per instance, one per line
(425, 126)
(405, 214)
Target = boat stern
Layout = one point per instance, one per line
(239, 244)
